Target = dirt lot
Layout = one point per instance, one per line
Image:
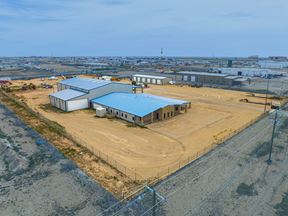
(35, 179)
(214, 115)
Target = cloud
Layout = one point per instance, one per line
(24, 5)
(141, 27)
(238, 14)
(4, 29)
(32, 18)
(115, 2)
(32, 10)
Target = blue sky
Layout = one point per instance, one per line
(142, 27)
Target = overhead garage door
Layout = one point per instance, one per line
(159, 82)
(77, 105)
(154, 81)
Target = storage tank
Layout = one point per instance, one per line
(100, 112)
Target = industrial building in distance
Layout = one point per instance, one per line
(211, 78)
(250, 72)
(149, 79)
(115, 99)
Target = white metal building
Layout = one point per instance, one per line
(76, 93)
(273, 64)
(250, 72)
(69, 100)
(158, 80)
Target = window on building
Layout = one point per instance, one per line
(125, 115)
(110, 111)
(164, 115)
(176, 108)
(168, 115)
(117, 113)
(157, 116)
(122, 114)
(133, 118)
(171, 113)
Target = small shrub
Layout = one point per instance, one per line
(282, 208)
(261, 150)
(246, 190)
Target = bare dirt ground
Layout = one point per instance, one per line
(59, 67)
(215, 114)
(22, 73)
(35, 179)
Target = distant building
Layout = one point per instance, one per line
(278, 58)
(157, 80)
(211, 78)
(273, 64)
(230, 63)
(250, 72)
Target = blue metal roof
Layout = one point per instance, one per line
(136, 104)
(67, 94)
(85, 83)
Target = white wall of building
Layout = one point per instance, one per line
(273, 64)
(151, 80)
(252, 72)
(77, 104)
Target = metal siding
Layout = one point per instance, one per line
(107, 89)
(67, 94)
(77, 105)
(85, 84)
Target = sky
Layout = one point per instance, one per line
(208, 28)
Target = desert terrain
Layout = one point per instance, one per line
(215, 115)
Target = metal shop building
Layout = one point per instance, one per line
(140, 109)
(158, 80)
(251, 72)
(211, 78)
(76, 93)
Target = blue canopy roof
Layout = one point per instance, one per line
(136, 104)
(67, 94)
(85, 83)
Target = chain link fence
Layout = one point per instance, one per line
(182, 163)
(108, 159)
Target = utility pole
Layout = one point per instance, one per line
(269, 161)
(266, 97)
(154, 202)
